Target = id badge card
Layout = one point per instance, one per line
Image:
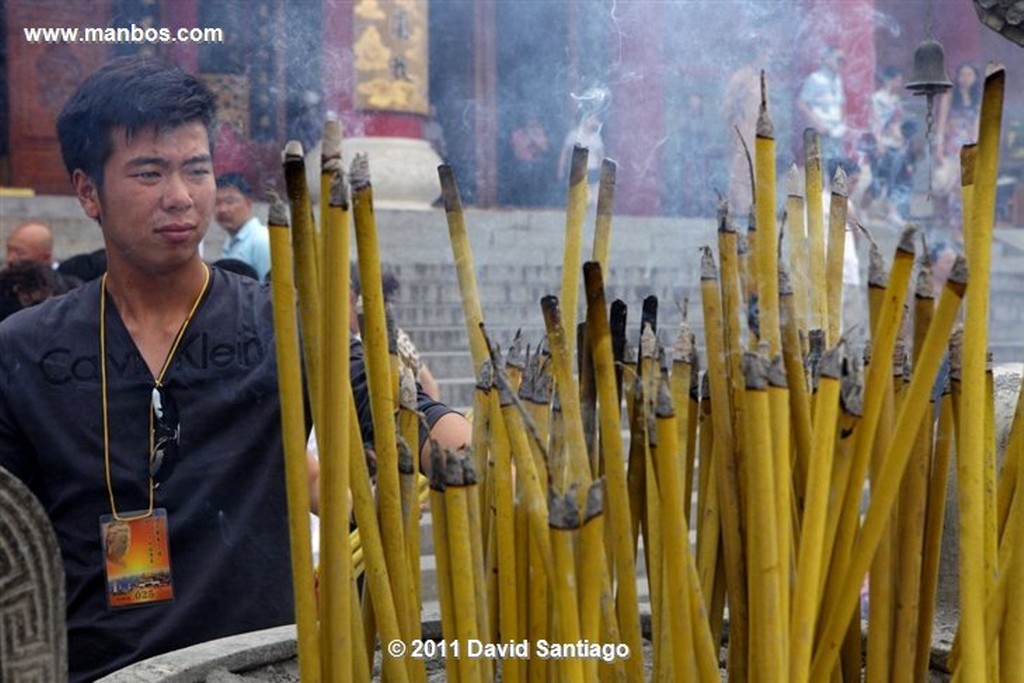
(137, 559)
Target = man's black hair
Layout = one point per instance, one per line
(237, 181)
(134, 94)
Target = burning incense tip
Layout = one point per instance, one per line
(923, 288)
(515, 357)
(486, 376)
(777, 373)
(793, 182)
(708, 269)
(449, 189)
(339, 188)
(725, 221)
(956, 352)
(755, 371)
(578, 169)
(331, 147)
(958, 273)
(293, 150)
(664, 407)
(359, 172)
(563, 511)
(594, 504)
(683, 347)
(765, 128)
(437, 467)
(993, 68)
(906, 244)
(839, 183)
(549, 304)
(878, 276)
(648, 342)
(830, 363)
(405, 461)
(606, 188)
(407, 388)
(277, 214)
(968, 159)
(851, 389)
(812, 145)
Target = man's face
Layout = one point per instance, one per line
(233, 209)
(157, 197)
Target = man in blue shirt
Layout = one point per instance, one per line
(248, 239)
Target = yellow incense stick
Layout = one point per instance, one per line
(463, 255)
(894, 463)
(336, 654)
(614, 462)
(815, 229)
(726, 475)
(286, 340)
(971, 460)
(767, 231)
(379, 380)
(762, 544)
(575, 212)
(812, 532)
(603, 219)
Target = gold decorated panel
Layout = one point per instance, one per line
(391, 55)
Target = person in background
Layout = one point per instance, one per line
(150, 396)
(27, 283)
(33, 242)
(822, 102)
(529, 144)
(407, 351)
(248, 239)
(890, 156)
(85, 267)
(30, 241)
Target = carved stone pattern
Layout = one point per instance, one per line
(232, 94)
(1004, 17)
(33, 640)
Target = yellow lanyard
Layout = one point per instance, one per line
(157, 383)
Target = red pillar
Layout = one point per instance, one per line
(636, 121)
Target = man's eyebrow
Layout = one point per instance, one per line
(162, 162)
(147, 161)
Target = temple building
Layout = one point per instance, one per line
(417, 82)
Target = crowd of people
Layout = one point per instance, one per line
(167, 456)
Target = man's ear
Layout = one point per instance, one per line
(88, 193)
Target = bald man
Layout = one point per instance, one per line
(30, 242)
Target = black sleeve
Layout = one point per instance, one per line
(431, 409)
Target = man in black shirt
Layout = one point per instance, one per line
(143, 406)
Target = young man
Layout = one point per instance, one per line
(148, 398)
(248, 239)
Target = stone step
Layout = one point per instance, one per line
(449, 363)
(457, 392)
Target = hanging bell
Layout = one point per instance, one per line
(929, 76)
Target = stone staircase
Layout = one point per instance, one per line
(429, 308)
